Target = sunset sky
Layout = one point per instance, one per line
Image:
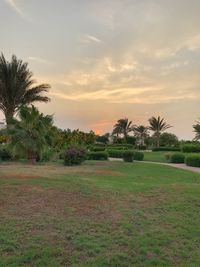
(110, 59)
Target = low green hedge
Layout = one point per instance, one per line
(118, 146)
(137, 155)
(177, 158)
(191, 148)
(193, 160)
(156, 149)
(99, 155)
(128, 156)
(114, 153)
(97, 148)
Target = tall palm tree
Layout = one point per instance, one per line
(17, 87)
(31, 134)
(141, 132)
(158, 125)
(123, 126)
(197, 130)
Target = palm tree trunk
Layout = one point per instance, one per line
(9, 114)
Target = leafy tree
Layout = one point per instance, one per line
(123, 126)
(30, 134)
(17, 87)
(196, 128)
(141, 132)
(168, 139)
(103, 138)
(158, 125)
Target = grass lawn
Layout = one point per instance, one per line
(110, 214)
(155, 156)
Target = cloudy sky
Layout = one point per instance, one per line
(110, 59)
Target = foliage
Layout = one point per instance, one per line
(155, 149)
(17, 87)
(196, 128)
(193, 160)
(190, 148)
(31, 134)
(177, 158)
(97, 148)
(3, 138)
(131, 140)
(100, 155)
(103, 138)
(74, 156)
(137, 155)
(128, 156)
(122, 127)
(142, 147)
(158, 125)
(168, 140)
(141, 132)
(114, 153)
(5, 153)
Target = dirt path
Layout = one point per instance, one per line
(179, 166)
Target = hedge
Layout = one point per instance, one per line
(177, 158)
(190, 148)
(99, 155)
(97, 148)
(193, 160)
(128, 156)
(156, 149)
(137, 155)
(5, 154)
(114, 153)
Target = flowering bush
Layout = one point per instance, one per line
(74, 156)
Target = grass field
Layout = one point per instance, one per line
(155, 156)
(110, 214)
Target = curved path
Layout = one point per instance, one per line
(179, 166)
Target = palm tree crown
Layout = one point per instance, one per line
(158, 125)
(197, 130)
(123, 126)
(141, 132)
(16, 87)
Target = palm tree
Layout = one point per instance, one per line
(31, 134)
(141, 132)
(158, 125)
(123, 126)
(16, 87)
(197, 130)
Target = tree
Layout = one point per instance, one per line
(31, 134)
(168, 139)
(123, 126)
(141, 132)
(17, 87)
(158, 125)
(196, 128)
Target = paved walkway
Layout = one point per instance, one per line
(179, 166)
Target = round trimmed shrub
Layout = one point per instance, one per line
(128, 156)
(177, 158)
(191, 148)
(137, 155)
(193, 160)
(100, 155)
(74, 156)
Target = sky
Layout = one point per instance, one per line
(110, 59)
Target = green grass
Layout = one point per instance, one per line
(155, 156)
(110, 214)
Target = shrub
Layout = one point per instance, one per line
(193, 160)
(128, 156)
(142, 147)
(138, 155)
(156, 149)
(99, 155)
(114, 153)
(120, 146)
(168, 156)
(74, 156)
(190, 148)
(5, 154)
(177, 158)
(97, 148)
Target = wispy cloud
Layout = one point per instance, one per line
(39, 60)
(90, 39)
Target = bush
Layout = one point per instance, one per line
(193, 160)
(114, 153)
(168, 156)
(120, 146)
(74, 156)
(128, 156)
(138, 155)
(142, 147)
(177, 158)
(5, 154)
(191, 148)
(100, 155)
(97, 148)
(156, 149)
